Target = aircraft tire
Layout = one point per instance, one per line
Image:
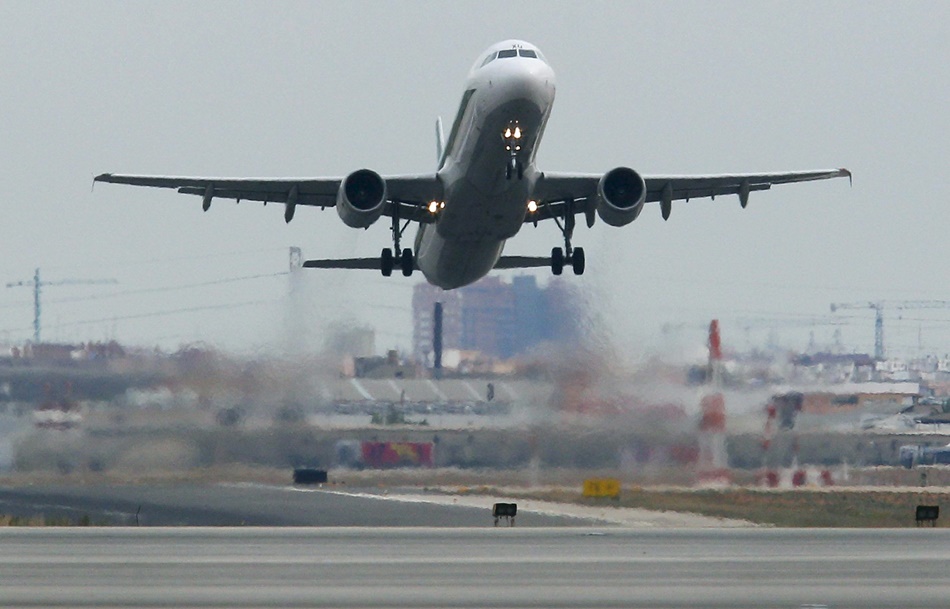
(386, 262)
(557, 261)
(406, 262)
(578, 261)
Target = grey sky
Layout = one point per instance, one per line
(307, 89)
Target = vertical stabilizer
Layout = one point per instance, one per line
(439, 140)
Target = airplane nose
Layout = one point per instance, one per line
(527, 81)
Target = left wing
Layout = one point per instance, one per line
(407, 195)
(555, 190)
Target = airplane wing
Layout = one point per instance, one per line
(555, 190)
(409, 193)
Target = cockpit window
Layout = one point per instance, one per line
(506, 53)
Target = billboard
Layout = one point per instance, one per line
(397, 454)
(602, 487)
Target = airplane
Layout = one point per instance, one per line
(486, 185)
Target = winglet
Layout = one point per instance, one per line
(845, 172)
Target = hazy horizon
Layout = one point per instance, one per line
(319, 89)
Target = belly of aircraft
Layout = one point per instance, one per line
(471, 215)
(481, 201)
(450, 263)
(483, 205)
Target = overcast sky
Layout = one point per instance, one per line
(322, 89)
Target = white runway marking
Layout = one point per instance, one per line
(617, 516)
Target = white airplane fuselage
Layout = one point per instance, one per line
(485, 202)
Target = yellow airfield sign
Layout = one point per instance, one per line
(602, 487)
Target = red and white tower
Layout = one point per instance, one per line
(712, 466)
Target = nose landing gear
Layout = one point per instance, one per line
(512, 136)
(514, 168)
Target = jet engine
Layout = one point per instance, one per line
(361, 198)
(620, 196)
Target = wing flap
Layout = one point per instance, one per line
(698, 186)
(271, 196)
(310, 191)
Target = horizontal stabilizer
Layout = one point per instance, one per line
(371, 264)
(523, 262)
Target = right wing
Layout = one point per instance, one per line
(554, 189)
(407, 195)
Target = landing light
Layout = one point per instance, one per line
(434, 206)
(517, 133)
(532, 206)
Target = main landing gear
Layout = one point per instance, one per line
(573, 256)
(403, 257)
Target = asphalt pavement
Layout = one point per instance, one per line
(247, 505)
(473, 567)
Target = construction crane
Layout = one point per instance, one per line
(748, 324)
(37, 286)
(879, 306)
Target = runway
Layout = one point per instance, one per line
(250, 505)
(431, 567)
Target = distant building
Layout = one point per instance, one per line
(350, 341)
(424, 297)
(496, 318)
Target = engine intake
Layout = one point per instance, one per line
(361, 198)
(620, 196)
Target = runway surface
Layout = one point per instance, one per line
(249, 504)
(431, 567)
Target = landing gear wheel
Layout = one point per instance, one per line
(386, 262)
(578, 261)
(557, 261)
(406, 262)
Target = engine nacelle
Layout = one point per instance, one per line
(620, 196)
(361, 198)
